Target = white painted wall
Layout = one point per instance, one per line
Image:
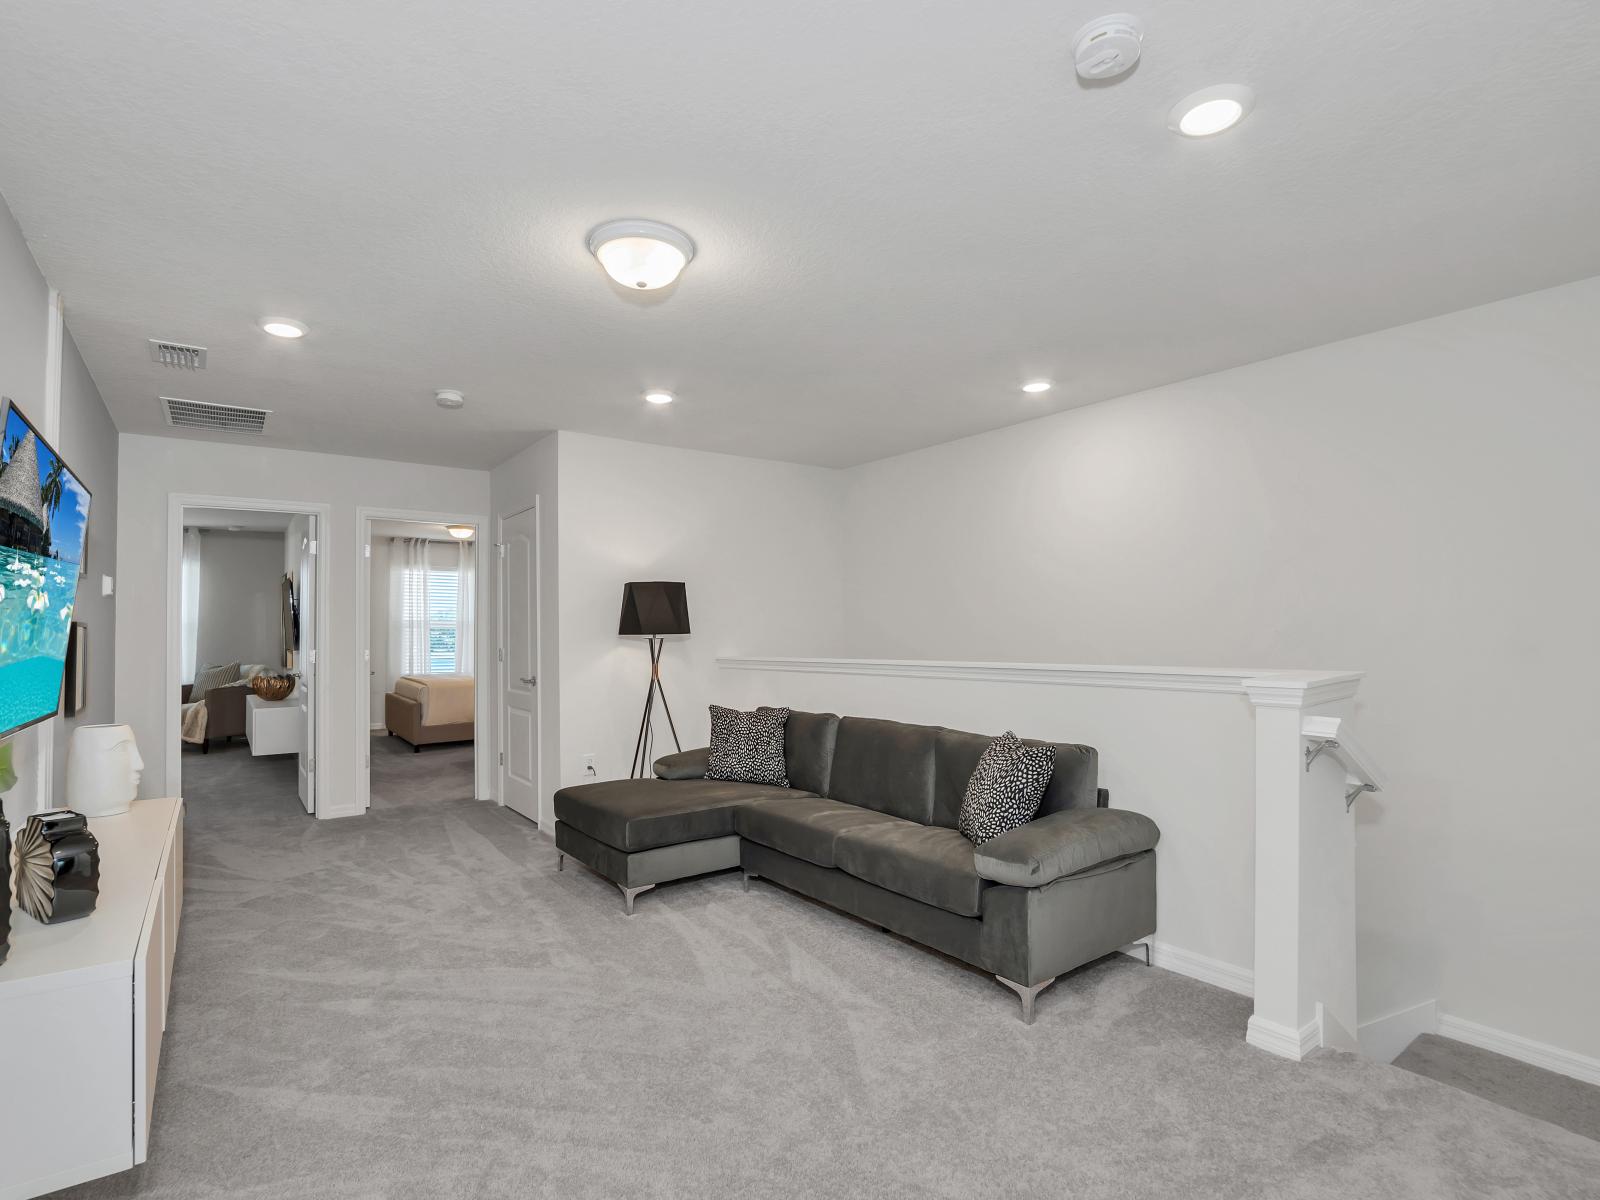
(1419, 503)
(153, 467)
(756, 542)
(241, 597)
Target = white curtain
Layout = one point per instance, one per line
(408, 606)
(465, 607)
(426, 581)
(189, 610)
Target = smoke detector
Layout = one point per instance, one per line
(1107, 46)
(449, 398)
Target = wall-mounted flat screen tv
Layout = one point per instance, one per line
(44, 520)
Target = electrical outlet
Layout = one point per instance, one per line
(588, 764)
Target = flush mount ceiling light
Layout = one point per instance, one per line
(1211, 110)
(460, 532)
(642, 255)
(1034, 386)
(657, 396)
(449, 398)
(283, 327)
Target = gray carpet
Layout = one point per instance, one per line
(1569, 1103)
(415, 1003)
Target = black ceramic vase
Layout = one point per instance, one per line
(58, 867)
(5, 889)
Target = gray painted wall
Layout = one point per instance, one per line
(88, 443)
(241, 597)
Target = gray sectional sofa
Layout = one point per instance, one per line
(868, 826)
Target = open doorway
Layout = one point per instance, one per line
(243, 651)
(423, 643)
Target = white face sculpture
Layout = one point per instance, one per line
(131, 765)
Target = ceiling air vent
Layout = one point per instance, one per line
(219, 418)
(176, 354)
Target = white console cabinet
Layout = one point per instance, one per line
(82, 1009)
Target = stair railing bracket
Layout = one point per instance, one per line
(1316, 748)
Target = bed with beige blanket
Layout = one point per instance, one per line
(425, 710)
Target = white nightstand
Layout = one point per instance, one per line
(274, 726)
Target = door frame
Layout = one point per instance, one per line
(483, 779)
(176, 503)
(546, 820)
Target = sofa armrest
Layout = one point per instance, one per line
(1064, 843)
(686, 764)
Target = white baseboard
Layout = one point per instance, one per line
(1293, 1044)
(1512, 1045)
(1197, 966)
(378, 727)
(1383, 1038)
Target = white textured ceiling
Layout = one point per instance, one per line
(903, 207)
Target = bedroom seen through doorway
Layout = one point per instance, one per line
(422, 645)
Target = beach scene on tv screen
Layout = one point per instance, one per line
(44, 515)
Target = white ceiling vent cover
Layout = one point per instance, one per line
(218, 418)
(176, 354)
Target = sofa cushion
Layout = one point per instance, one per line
(802, 826)
(685, 764)
(1073, 781)
(885, 765)
(808, 742)
(925, 862)
(1065, 843)
(1005, 789)
(747, 747)
(641, 814)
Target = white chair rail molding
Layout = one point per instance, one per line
(1251, 775)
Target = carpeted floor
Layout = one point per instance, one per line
(415, 1003)
(1569, 1103)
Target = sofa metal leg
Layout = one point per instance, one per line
(748, 876)
(1146, 947)
(629, 893)
(1026, 994)
(561, 862)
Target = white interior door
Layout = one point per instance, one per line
(519, 659)
(306, 663)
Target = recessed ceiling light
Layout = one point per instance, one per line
(283, 327)
(449, 398)
(1211, 110)
(460, 532)
(657, 396)
(638, 254)
(1034, 386)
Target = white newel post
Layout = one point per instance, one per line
(1305, 918)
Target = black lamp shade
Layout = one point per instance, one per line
(653, 609)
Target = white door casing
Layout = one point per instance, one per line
(519, 662)
(308, 666)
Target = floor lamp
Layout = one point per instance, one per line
(656, 611)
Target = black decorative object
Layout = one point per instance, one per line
(58, 867)
(5, 889)
(654, 610)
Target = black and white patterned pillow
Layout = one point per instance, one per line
(747, 747)
(1005, 788)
